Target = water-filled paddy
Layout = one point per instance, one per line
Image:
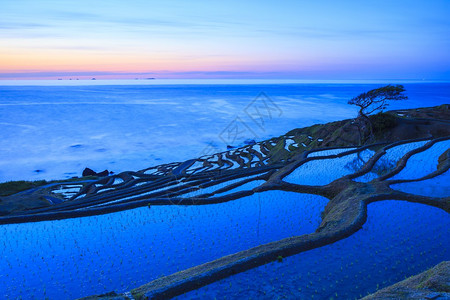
(434, 187)
(389, 160)
(324, 171)
(218, 186)
(119, 251)
(423, 163)
(400, 239)
(329, 152)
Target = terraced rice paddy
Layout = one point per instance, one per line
(265, 220)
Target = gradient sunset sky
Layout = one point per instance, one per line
(225, 39)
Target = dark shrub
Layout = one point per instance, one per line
(382, 122)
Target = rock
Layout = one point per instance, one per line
(230, 147)
(89, 172)
(103, 173)
(249, 142)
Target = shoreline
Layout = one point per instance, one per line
(56, 154)
(275, 153)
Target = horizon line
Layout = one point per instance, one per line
(199, 81)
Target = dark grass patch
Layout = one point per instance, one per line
(12, 187)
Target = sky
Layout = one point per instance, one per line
(323, 39)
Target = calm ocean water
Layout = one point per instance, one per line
(53, 130)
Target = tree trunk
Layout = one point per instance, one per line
(363, 116)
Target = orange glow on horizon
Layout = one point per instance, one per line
(74, 61)
(85, 65)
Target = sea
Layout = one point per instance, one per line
(53, 129)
